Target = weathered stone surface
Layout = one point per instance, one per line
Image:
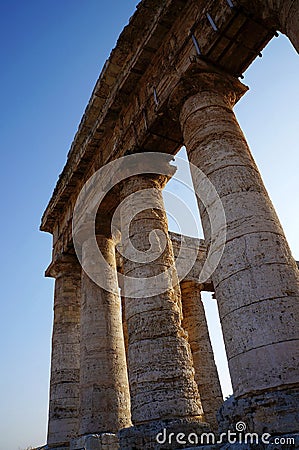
(122, 115)
(183, 247)
(280, 14)
(206, 375)
(65, 360)
(161, 375)
(258, 312)
(103, 441)
(150, 436)
(150, 80)
(267, 412)
(104, 391)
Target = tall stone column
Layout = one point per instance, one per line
(161, 375)
(65, 361)
(280, 14)
(206, 375)
(104, 397)
(257, 281)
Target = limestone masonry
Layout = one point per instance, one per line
(131, 353)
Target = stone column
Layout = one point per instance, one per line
(206, 375)
(161, 375)
(257, 281)
(123, 300)
(65, 361)
(124, 321)
(278, 14)
(104, 397)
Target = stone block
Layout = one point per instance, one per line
(103, 441)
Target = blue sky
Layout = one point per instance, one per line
(51, 55)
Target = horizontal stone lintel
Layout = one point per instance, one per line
(159, 45)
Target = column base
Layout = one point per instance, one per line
(103, 441)
(275, 412)
(161, 434)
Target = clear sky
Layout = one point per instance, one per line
(51, 55)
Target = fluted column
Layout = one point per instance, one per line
(161, 375)
(280, 14)
(65, 361)
(104, 398)
(257, 281)
(206, 375)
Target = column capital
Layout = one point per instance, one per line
(153, 167)
(94, 229)
(61, 264)
(202, 80)
(193, 284)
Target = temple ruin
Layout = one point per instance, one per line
(128, 361)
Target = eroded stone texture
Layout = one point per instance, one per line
(65, 360)
(280, 14)
(124, 322)
(206, 375)
(256, 282)
(262, 412)
(154, 50)
(151, 436)
(104, 441)
(161, 375)
(104, 398)
(184, 248)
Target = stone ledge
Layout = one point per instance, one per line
(274, 412)
(104, 441)
(143, 437)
